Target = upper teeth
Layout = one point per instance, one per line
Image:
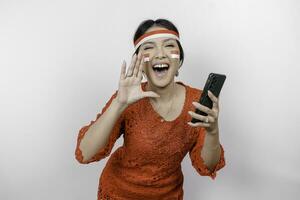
(160, 65)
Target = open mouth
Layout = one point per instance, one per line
(160, 70)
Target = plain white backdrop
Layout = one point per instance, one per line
(61, 60)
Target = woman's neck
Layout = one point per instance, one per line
(166, 93)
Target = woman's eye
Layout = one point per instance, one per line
(147, 48)
(170, 45)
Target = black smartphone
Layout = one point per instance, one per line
(213, 83)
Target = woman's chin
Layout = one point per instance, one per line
(161, 81)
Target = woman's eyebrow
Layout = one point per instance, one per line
(163, 41)
(168, 39)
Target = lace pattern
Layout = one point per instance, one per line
(148, 165)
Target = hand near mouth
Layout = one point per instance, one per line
(130, 89)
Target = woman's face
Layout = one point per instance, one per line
(159, 52)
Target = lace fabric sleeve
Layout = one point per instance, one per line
(197, 161)
(116, 132)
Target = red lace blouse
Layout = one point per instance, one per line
(148, 164)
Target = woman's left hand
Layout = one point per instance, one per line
(210, 122)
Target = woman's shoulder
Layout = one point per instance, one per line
(192, 90)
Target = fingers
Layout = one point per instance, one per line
(133, 60)
(139, 74)
(123, 70)
(197, 116)
(137, 65)
(205, 121)
(203, 108)
(199, 124)
(212, 114)
(150, 94)
(214, 99)
(135, 69)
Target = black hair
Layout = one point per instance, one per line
(146, 24)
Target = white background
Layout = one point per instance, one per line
(60, 63)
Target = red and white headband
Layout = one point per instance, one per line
(153, 35)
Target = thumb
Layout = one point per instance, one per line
(150, 94)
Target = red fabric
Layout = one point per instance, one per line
(153, 33)
(148, 164)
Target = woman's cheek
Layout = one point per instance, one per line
(146, 57)
(175, 54)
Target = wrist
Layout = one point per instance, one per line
(212, 138)
(119, 105)
(213, 131)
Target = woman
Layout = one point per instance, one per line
(154, 118)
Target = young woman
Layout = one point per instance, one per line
(154, 118)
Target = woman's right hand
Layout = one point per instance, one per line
(130, 89)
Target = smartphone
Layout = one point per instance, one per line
(213, 83)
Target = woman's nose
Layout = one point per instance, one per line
(160, 53)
